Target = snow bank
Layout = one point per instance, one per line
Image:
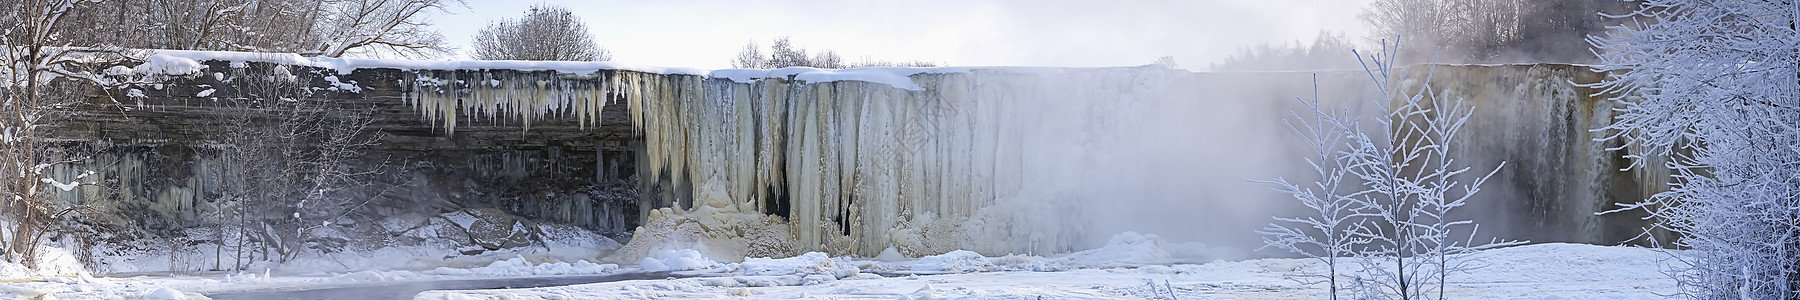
(51, 262)
(13, 271)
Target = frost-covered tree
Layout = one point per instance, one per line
(1710, 90)
(546, 32)
(1385, 192)
(1326, 235)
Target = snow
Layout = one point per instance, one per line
(897, 77)
(204, 93)
(119, 71)
(169, 65)
(69, 186)
(339, 86)
(1542, 271)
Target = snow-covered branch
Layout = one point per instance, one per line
(1707, 90)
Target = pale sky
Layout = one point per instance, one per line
(708, 33)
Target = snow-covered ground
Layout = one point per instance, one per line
(1130, 266)
(1124, 270)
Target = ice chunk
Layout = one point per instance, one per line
(1124, 248)
(805, 264)
(955, 261)
(890, 254)
(163, 293)
(677, 260)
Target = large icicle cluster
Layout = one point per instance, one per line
(860, 166)
(499, 97)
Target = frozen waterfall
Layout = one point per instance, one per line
(1013, 159)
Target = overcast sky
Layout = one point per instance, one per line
(706, 34)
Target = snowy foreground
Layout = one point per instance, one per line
(1130, 266)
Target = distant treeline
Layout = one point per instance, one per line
(1453, 31)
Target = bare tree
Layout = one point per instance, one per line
(546, 32)
(826, 60)
(871, 62)
(315, 27)
(373, 26)
(783, 53)
(750, 58)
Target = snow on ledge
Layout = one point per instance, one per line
(185, 62)
(346, 65)
(898, 77)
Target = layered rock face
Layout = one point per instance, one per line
(997, 160)
(160, 159)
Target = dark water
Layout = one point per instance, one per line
(406, 290)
